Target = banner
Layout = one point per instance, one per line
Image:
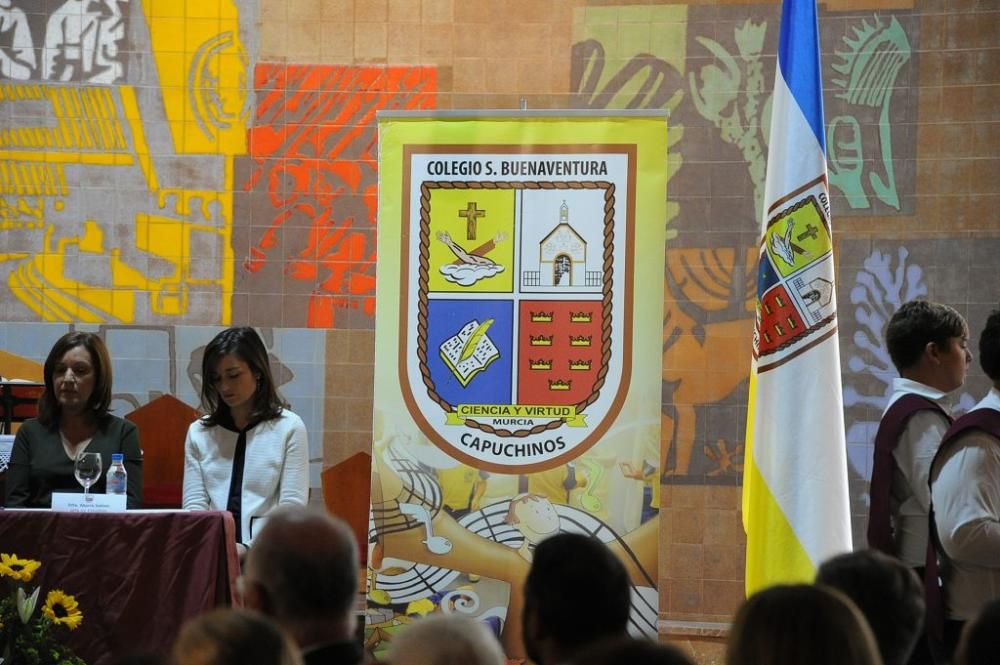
(795, 496)
(517, 374)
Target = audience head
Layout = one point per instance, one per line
(236, 373)
(980, 643)
(576, 593)
(77, 378)
(928, 342)
(794, 624)
(633, 652)
(445, 639)
(989, 347)
(234, 637)
(889, 595)
(302, 571)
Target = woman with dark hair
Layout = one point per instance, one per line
(72, 418)
(250, 454)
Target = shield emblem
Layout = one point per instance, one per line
(516, 336)
(796, 302)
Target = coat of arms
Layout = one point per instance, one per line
(516, 333)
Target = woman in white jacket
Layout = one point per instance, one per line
(250, 454)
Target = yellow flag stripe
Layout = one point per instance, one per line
(774, 554)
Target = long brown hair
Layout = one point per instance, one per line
(49, 410)
(245, 344)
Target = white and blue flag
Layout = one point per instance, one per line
(795, 496)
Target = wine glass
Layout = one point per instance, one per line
(87, 470)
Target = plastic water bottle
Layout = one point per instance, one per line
(117, 476)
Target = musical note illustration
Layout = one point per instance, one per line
(435, 544)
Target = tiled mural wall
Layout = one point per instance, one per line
(169, 167)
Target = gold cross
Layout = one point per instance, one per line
(471, 214)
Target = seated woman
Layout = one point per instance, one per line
(250, 454)
(72, 418)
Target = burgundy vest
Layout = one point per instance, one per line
(890, 428)
(987, 420)
(880, 534)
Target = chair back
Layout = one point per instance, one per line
(346, 492)
(163, 425)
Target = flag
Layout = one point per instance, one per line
(795, 497)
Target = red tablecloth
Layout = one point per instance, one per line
(138, 576)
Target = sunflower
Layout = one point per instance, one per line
(63, 609)
(19, 569)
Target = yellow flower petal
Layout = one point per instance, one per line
(62, 609)
(18, 569)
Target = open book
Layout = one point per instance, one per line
(469, 351)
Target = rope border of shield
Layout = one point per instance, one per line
(608, 270)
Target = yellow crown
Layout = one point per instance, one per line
(580, 317)
(559, 384)
(579, 340)
(541, 317)
(540, 364)
(579, 364)
(541, 340)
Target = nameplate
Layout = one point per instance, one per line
(72, 502)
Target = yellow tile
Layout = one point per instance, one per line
(203, 9)
(199, 31)
(170, 31)
(166, 8)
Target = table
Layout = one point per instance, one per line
(138, 576)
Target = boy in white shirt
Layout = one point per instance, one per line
(965, 488)
(928, 344)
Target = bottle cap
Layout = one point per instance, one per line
(117, 457)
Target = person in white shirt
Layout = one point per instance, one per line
(965, 488)
(928, 344)
(250, 454)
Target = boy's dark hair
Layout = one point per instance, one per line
(916, 324)
(989, 346)
(887, 592)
